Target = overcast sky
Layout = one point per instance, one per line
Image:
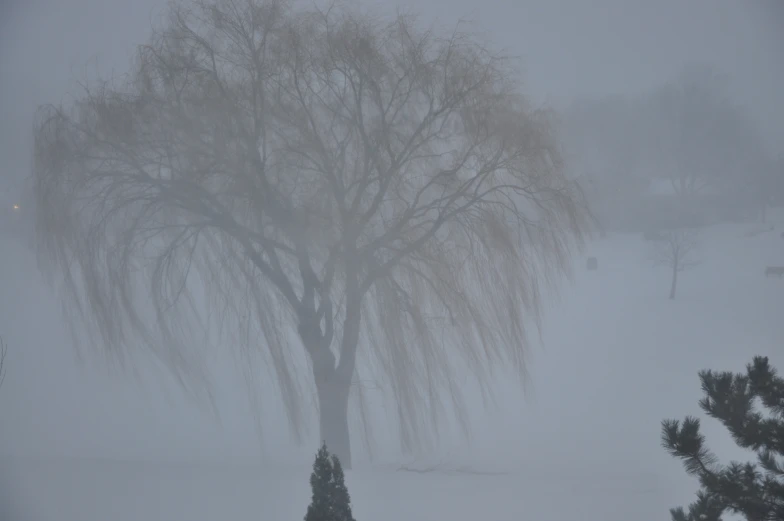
(570, 49)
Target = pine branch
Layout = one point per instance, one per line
(706, 508)
(754, 491)
(688, 444)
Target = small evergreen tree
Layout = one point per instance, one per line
(330, 500)
(755, 491)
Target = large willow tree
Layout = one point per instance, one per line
(352, 185)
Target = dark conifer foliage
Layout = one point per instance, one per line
(752, 490)
(330, 500)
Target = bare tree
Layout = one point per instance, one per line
(676, 250)
(764, 183)
(359, 181)
(3, 351)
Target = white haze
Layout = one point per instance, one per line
(617, 357)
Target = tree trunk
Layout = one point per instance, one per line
(333, 418)
(333, 400)
(333, 380)
(332, 387)
(674, 282)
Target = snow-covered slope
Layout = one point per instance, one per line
(617, 358)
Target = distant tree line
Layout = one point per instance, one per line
(683, 154)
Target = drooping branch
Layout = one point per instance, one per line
(175, 178)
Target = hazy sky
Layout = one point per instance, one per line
(570, 49)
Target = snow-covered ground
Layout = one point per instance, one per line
(617, 358)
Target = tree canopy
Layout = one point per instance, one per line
(327, 178)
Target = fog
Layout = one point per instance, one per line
(614, 358)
